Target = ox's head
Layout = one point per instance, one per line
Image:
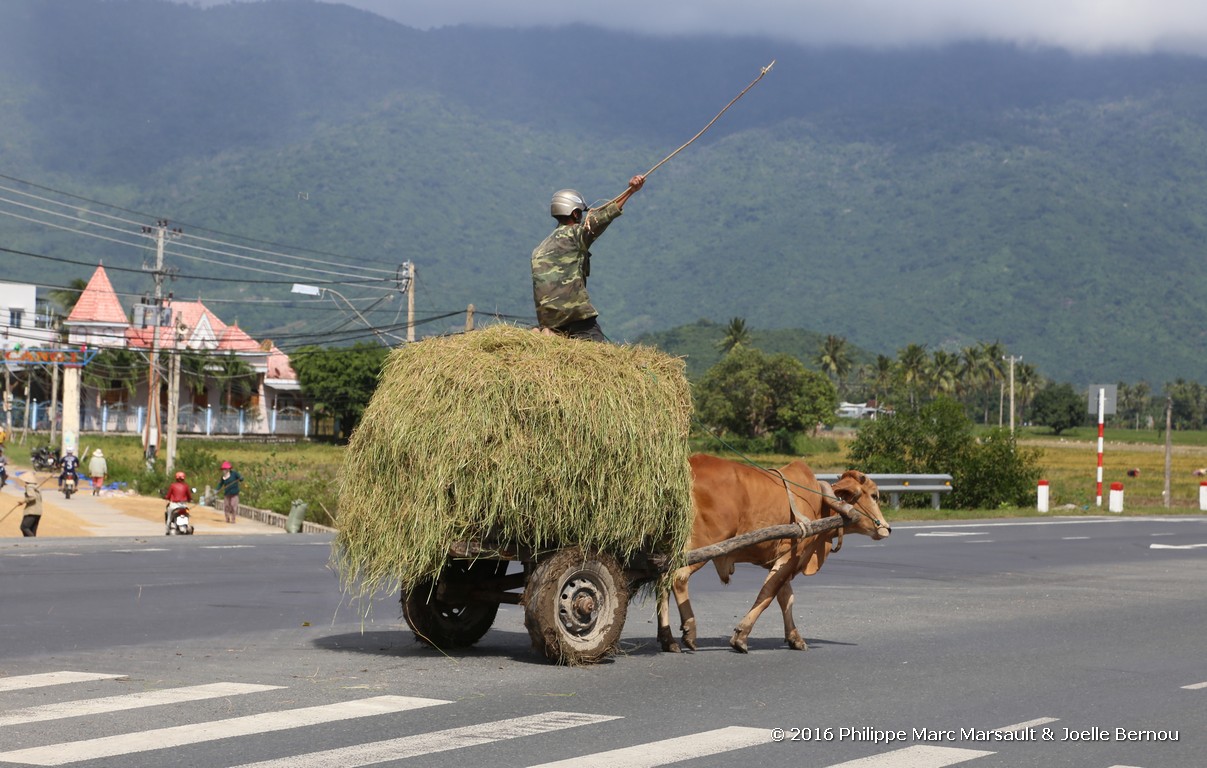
(863, 516)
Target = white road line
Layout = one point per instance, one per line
(435, 741)
(1176, 546)
(1147, 520)
(1023, 726)
(228, 546)
(1074, 538)
(51, 678)
(195, 733)
(953, 533)
(1195, 687)
(915, 757)
(670, 750)
(128, 701)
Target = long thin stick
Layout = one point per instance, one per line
(688, 143)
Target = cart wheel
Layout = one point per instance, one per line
(443, 619)
(575, 605)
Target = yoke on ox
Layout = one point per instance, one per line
(732, 499)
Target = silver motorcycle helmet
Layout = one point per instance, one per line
(566, 202)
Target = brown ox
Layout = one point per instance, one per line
(733, 498)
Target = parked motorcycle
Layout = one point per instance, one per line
(69, 485)
(179, 523)
(44, 459)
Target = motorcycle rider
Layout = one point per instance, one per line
(178, 493)
(69, 464)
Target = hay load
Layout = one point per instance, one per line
(516, 438)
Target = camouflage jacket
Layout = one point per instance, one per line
(560, 266)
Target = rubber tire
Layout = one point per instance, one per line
(554, 588)
(451, 625)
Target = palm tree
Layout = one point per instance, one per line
(233, 374)
(973, 373)
(67, 297)
(834, 360)
(1027, 382)
(736, 335)
(994, 372)
(914, 363)
(944, 372)
(882, 377)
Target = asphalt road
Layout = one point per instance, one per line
(243, 651)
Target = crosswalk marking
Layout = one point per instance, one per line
(165, 738)
(670, 750)
(916, 757)
(1023, 726)
(51, 678)
(435, 741)
(128, 701)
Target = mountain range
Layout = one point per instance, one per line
(947, 196)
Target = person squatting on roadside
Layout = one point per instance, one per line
(562, 263)
(33, 508)
(178, 492)
(229, 486)
(98, 468)
(69, 464)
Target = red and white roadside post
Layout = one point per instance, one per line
(1116, 502)
(1101, 422)
(1203, 497)
(1041, 496)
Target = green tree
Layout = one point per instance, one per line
(1189, 402)
(930, 439)
(340, 380)
(1058, 406)
(996, 471)
(937, 438)
(752, 394)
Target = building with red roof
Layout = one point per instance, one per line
(230, 383)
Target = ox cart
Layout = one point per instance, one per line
(574, 601)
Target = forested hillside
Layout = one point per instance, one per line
(945, 197)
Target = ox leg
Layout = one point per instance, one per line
(771, 586)
(665, 639)
(687, 617)
(786, 600)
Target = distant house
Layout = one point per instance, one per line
(212, 401)
(24, 321)
(868, 410)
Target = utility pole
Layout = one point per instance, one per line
(409, 287)
(1012, 360)
(160, 233)
(173, 398)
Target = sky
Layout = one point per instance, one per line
(1081, 26)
